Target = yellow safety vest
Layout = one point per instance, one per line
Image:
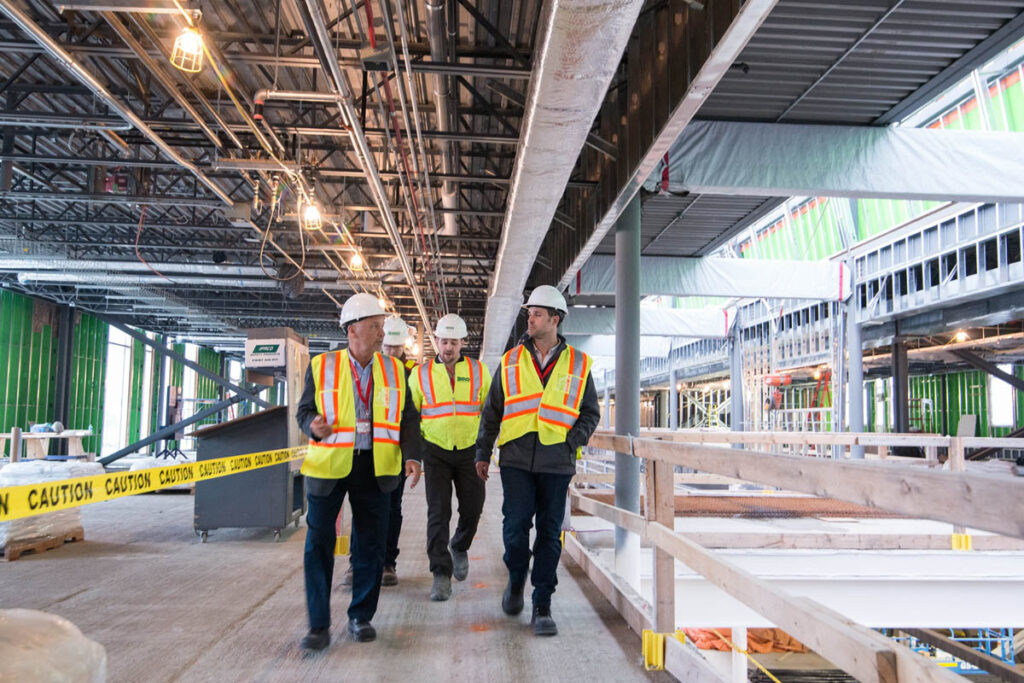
(335, 400)
(450, 419)
(531, 406)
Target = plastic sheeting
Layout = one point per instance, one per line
(701, 323)
(773, 160)
(44, 648)
(59, 523)
(743, 278)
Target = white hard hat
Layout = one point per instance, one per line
(548, 297)
(359, 306)
(396, 332)
(451, 326)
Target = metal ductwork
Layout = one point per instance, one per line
(22, 264)
(437, 36)
(131, 280)
(580, 44)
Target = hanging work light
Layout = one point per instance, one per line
(187, 54)
(383, 302)
(310, 218)
(356, 262)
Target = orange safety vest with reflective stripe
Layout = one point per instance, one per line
(531, 406)
(450, 419)
(332, 458)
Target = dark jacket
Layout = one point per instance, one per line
(527, 452)
(410, 439)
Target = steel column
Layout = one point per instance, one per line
(627, 383)
(855, 383)
(673, 400)
(900, 386)
(736, 378)
(65, 358)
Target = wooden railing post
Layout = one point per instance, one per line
(659, 506)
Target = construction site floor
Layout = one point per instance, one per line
(169, 608)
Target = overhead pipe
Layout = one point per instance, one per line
(316, 26)
(64, 58)
(437, 37)
(80, 122)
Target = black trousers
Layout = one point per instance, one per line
(369, 520)
(442, 470)
(394, 525)
(530, 496)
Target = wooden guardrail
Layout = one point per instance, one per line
(984, 501)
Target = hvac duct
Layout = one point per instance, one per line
(436, 35)
(580, 45)
(131, 280)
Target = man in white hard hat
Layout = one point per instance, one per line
(541, 410)
(396, 334)
(364, 433)
(449, 392)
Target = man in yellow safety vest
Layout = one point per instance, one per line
(396, 337)
(364, 433)
(541, 410)
(449, 391)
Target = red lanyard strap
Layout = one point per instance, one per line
(543, 373)
(359, 384)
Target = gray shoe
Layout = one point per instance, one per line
(442, 588)
(543, 624)
(460, 564)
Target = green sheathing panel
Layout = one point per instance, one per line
(28, 348)
(89, 359)
(206, 389)
(158, 364)
(136, 381)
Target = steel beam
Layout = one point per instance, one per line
(135, 334)
(991, 368)
(169, 430)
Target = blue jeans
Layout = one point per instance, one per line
(369, 520)
(529, 495)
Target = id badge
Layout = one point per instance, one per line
(362, 426)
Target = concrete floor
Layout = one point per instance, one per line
(168, 608)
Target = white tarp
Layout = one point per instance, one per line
(654, 322)
(779, 159)
(707, 276)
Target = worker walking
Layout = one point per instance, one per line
(448, 391)
(396, 336)
(361, 422)
(542, 409)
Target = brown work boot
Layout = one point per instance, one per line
(389, 577)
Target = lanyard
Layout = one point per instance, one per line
(359, 384)
(543, 374)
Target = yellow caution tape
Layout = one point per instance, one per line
(29, 500)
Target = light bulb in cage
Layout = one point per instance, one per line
(356, 262)
(187, 54)
(383, 302)
(310, 218)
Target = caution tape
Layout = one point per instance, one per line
(28, 500)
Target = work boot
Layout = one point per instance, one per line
(512, 599)
(361, 630)
(316, 639)
(389, 577)
(346, 578)
(460, 564)
(442, 588)
(543, 624)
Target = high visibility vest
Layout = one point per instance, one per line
(450, 419)
(335, 400)
(531, 406)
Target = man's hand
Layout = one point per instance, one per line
(321, 430)
(413, 472)
(482, 468)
